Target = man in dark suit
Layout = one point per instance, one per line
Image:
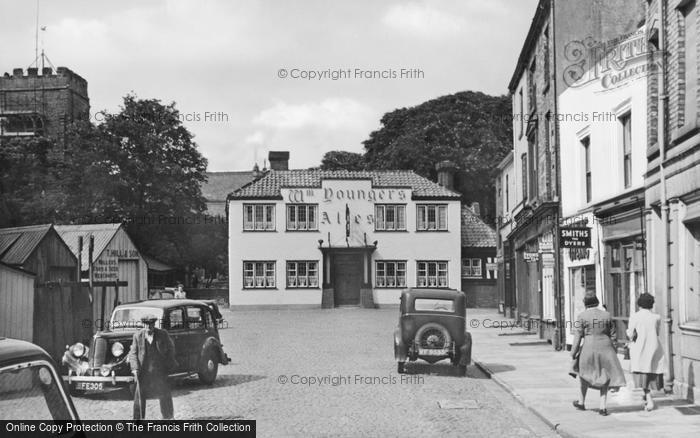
(152, 358)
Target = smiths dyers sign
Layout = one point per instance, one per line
(575, 237)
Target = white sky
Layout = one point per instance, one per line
(224, 56)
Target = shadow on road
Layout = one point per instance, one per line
(442, 369)
(179, 387)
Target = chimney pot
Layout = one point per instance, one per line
(279, 160)
(17, 72)
(32, 71)
(47, 71)
(446, 174)
(476, 208)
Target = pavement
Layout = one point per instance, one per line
(332, 373)
(537, 376)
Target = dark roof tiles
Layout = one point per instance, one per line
(269, 186)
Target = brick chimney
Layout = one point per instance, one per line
(279, 160)
(446, 174)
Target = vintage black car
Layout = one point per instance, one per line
(30, 384)
(432, 327)
(103, 364)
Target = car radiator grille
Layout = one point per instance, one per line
(96, 356)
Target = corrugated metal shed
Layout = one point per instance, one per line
(103, 234)
(21, 242)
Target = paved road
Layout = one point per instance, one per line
(332, 373)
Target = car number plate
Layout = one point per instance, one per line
(432, 351)
(88, 386)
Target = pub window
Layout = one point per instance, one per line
(432, 274)
(471, 268)
(302, 274)
(431, 217)
(626, 125)
(258, 275)
(390, 274)
(302, 217)
(390, 217)
(259, 217)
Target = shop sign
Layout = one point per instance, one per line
(531, 257)
(491, 266)
(546, 243)
(576, 254)
(575, 237)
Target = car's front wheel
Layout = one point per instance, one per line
(209, 366)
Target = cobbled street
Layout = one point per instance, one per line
(275, 354)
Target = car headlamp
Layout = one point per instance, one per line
(78, 349)
(117, 349)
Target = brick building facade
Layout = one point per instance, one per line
(672, 183)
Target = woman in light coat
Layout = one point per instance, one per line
(646, 353)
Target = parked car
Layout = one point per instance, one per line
(30, 384)
(103, 365)
(432, 327)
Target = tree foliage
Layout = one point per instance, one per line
(472, 129)
(342, 160)
(140, 167)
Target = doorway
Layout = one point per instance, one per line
(347, 278)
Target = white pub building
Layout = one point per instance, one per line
(341, 238)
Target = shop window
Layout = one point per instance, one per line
(302, 217)
(431, 217)
(390, 217)
(390, 274)
(432, 274)
(625, 279)
(258, 275)
(259, 217)
(582, 281)
(303, 274)
(471, 268)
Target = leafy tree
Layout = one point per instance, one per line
(342, 160)
(470, 128)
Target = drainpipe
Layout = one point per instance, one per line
(661, 133)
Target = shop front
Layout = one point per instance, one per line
(623, 246)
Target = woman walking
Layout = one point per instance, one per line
(598, 365)
(646, 353)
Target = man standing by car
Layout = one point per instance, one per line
(152, 358)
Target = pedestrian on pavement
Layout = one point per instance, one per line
(599, 367)
(152, 358)
(646, 353)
